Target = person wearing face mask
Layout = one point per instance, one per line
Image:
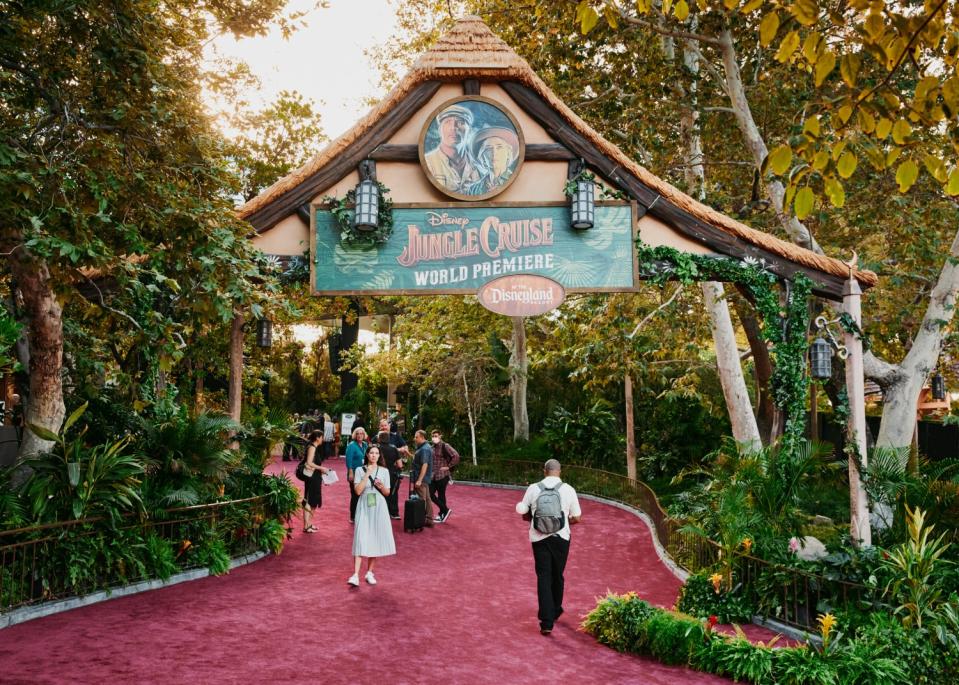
(445, 458)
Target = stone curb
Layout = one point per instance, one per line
(48, 608)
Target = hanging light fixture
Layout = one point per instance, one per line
(938, 387)
(366, 216)
(582, 197)
(264, 333)
(820, 358)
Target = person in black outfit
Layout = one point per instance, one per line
(394, 462)
(313, 485)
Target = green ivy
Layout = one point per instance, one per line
(343, 211)
(785, 326)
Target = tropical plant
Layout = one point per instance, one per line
(160, 555)
(76, 480)
(698, 597)
(272, 535)
(914, 584)
(260, 431)
(12, 512)
(189, 454)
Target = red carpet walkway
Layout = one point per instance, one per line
(456, 605)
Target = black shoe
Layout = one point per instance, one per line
(447, 515)
(559, 612)
(543, 630)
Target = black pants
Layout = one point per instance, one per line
(393, 501)
(354, 498)
(438, 494)
(550, 555)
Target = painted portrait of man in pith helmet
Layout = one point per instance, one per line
(471, 148)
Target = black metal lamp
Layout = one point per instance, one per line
(938, 387)
(820, 358)
(366, 216)
(264, 333)
(582, 197)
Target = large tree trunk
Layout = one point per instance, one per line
(741, 415)
(235, 394)
(518, 370)
(738, 405)
(470, 416)
(44, 315)
(902, 389)
(901, 383)
(630, 428)
(767, 413)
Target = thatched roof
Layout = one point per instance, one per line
(471, 50)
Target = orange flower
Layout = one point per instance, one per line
(747, 545)
(717, 581)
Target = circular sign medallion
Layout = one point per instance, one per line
(521, 295)
(471, 148)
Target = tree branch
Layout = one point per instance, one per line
(684, 35)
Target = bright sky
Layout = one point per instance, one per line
(323, 61)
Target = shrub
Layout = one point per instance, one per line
(160, 556)
(742, 660)
(699, 598)
(213, 555)
(272, 535)
(672, 636)
(803, 666)
(620, 622)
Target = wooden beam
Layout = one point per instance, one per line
(471, 86)
(535, 152)
(342, 164)
(825, 285)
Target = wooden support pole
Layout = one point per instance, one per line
(235, 395)
(630, 430)
(859, 529)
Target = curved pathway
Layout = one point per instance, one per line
(456, 605)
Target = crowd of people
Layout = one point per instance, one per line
(374, 468)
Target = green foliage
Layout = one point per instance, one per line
(671, 637)
(742, 660)
(262, 429)
(588, 436)
(914, 584)
(213, 555)
(75, 480)
(804, 666)
(162, 561)
(282, 495)
(272, 535)
(9, 334)
(699, 598)
(619, 621)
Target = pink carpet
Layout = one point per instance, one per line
(456, 604)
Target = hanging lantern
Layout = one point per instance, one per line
(582, 204)
(366, 217)
(820, 359)
(938, 387)
(264, 333)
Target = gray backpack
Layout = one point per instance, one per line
(548, 517)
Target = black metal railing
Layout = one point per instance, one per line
(74, 558)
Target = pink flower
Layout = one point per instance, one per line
(793, 545)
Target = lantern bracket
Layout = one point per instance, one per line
(824, 324)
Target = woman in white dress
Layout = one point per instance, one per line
(372, 533)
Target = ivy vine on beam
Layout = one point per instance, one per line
(785, 326)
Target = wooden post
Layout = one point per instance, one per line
(859, 529)
(235, 394)
(630, 430)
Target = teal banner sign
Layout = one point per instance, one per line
(455, 249)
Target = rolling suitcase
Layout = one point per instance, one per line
(414, 512)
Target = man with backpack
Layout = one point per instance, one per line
(552, 507)
(445, 459)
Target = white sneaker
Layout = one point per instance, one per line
(354, 580)
(370, 578)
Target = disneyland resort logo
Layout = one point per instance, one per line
(497, 240)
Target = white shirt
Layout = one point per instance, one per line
(568, 501)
